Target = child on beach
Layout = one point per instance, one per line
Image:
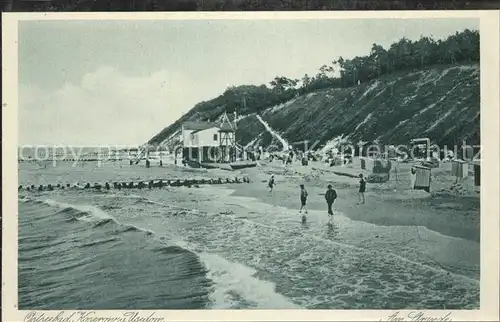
(303, 198)
(271, 183)
(362, 189)
(330, 197)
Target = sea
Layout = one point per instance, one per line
(204, 248)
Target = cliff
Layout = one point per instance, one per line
(441, 102)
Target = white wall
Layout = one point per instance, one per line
(186, 138)
(202, 138)
(206, 137)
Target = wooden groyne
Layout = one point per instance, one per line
(82, 159)
(143, 184)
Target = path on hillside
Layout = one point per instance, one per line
(251, 143)
(274, 133)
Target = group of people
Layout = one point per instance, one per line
(330, 194)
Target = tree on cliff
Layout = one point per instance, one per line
(281, 83)
(406, 54)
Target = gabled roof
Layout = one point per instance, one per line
(218, 128)
(226, 124)
(198, 126)
(226, 127)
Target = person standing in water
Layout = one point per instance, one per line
(362, 189)
(303, 198)
(330, 197)
(271, 183)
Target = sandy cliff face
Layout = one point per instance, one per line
(441, 103)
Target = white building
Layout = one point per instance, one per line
(208, 141)
(200, 134)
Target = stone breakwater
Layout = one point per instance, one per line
(147, 184)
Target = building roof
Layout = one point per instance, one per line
(199, 126)
(223, 128)
(196, 131)
(226, 127)
(226, 124)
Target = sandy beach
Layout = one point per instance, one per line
(390, 203)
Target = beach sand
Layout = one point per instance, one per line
(390, 203)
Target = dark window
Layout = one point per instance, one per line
(215, 137)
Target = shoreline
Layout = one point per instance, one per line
(391, 203)
(389, 216)
(387, 204)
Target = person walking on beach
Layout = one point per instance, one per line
(303, 198)
(362, 189)
(271, 183)
(330, 197)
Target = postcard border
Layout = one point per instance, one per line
(490, 140)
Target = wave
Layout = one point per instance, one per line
(171, 250)
(39, 245)
(96, 248)
(90, 212)
(71, 210)
(223, 272)
(236, 282)
(226, 290)
(100, 242)
(72, 264)
(235, 285)
(93, 215)
(132, 228)
(174, 210)
(104, 222)
(24, 199)
(435, 269)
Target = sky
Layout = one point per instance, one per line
(121, 82)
